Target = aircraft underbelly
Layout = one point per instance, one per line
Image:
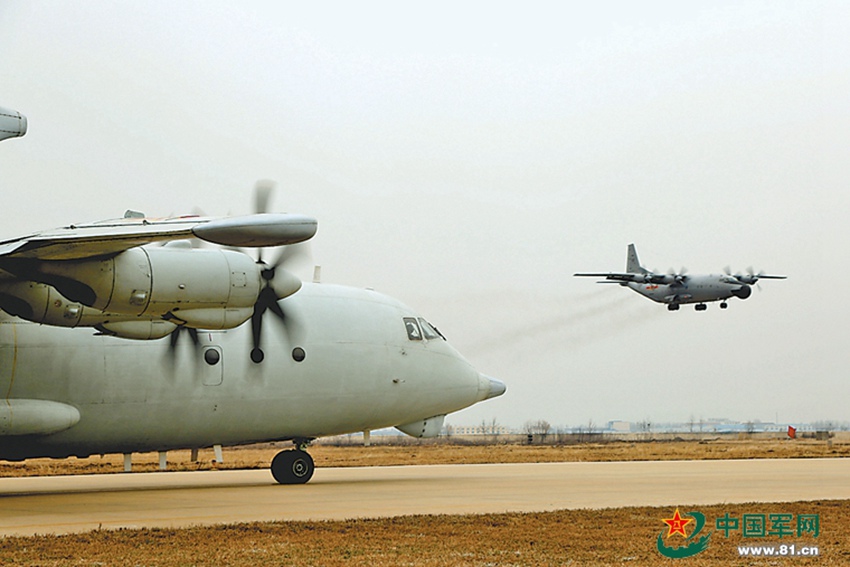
(681, 294)
(655, 292)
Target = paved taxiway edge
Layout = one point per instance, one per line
(82, 503)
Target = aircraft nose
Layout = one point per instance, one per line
(490, 387)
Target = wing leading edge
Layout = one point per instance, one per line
(616, 277)
(106, 238)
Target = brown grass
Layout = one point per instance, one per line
(426, 453)
(570, 537)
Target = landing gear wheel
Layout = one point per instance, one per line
(701, 307)
(724, 305)
(673, 307)
(292, 467)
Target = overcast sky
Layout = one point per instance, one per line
(469, 157)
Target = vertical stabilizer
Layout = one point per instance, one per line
(632, 263)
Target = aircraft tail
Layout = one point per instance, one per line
(632, 263)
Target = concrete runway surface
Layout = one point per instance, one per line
(65, 504)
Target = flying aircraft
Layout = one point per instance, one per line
(675, 289)
(121, 336)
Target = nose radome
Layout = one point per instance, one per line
(490, 387)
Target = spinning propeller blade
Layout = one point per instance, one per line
(278, 282)
(174, 339)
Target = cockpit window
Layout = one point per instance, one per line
(413, 331)
(430, 331)
(420, 329)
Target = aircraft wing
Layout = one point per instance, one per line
(107, 238)
(615, 276)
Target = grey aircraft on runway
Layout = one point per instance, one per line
(674, 289)
(91, 360)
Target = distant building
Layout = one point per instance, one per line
(478, 430)
(619, 426)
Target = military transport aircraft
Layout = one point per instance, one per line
(674, 289)
(92, 360)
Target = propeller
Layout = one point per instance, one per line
(678, 277)
(174, 340)
(263, 190)
(749, 279)
(277, 281)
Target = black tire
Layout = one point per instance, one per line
(292, 467)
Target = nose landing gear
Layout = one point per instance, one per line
(294, 466)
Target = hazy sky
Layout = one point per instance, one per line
(469, 157)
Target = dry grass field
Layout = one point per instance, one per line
(572, 537)
(430, 452)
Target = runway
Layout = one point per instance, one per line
(68, 504)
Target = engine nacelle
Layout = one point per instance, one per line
(664, 279)
(41, 303)
(154, 282)
(214, 318)
(142, 330)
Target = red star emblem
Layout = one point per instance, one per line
(677, 524)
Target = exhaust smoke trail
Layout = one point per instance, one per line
(568, 322)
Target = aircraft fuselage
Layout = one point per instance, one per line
(344, 361)
(693, 289)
